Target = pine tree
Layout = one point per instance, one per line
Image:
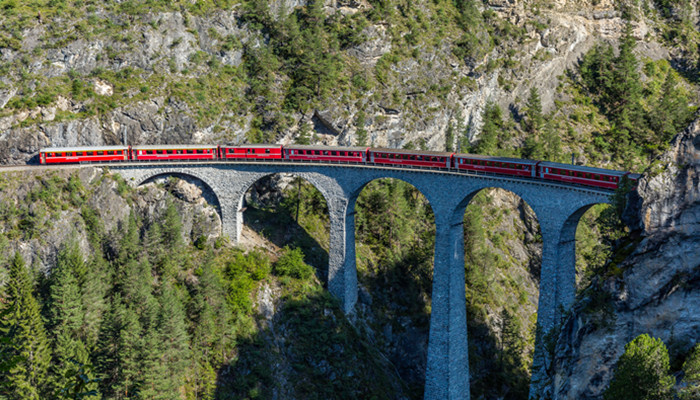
(66, 319)
(171, 227)
(27, 334)
(304, 136)
(671, 113)
(491, 130)
(166, 351)
(119, 360)
(533, 113)
(129, 246)
(449, 138)
(642, 372)
(691, 380)
(93, 293)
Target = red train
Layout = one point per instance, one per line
(550, 171)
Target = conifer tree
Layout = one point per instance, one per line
(27, 334)
(171, 227)
(534, 118)
(119, 360)
(691, 380)
(166, 351)
(93, 293)
(642, 372)
(491, 130)
(129, 246)
(66, 318)
(671, 114)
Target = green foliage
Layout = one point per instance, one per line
(691, 380)
(171, 227)
(533, 112)
(291, 263)
(642, 372)
(27, 339)
(67, 316)
(638, 126)
(493, 132)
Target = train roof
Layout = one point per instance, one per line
(500, 159)
(84, 148)
(420, 152)
(173, 146)
(248, 146)
(328, 148)
(582, 168)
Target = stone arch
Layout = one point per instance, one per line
(247, 184)
(406, 268)
(566, 259)
(208, 192)
(502, 260)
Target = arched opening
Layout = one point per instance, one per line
(186, 191)
(204, 223)
(395, 247)
(287, 210)
(597, 229)
(503, 256)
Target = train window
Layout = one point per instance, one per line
(100, 153)
(267, 151)
(597, 177)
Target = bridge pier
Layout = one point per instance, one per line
(557, 292)
(342, 271)
(231, 217)
(447, 371)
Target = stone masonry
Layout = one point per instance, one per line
(558, 209)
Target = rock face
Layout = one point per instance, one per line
(58, 210)
(659, 291)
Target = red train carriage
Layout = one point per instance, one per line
(589, 176)
(254, 151)
(324, 153)
(62, 155)
(417, 158)
(498, 165)
(174, 152)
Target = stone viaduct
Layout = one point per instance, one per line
(558, 208)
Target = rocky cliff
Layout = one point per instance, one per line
(100, 74)
(655, 290)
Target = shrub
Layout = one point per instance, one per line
(291, 263)
(642, 371)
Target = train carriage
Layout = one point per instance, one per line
(63, 155)
(325, 153)
(174, 152)
(251, 151)
(418, 158)
(498, 165)
(589, 176)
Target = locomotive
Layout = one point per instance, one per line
(545, 170)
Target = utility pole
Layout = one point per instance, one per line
(298, 198)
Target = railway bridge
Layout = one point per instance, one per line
(558, 208)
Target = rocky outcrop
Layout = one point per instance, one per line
(42, 211)
(421, 96)
(658, 291)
